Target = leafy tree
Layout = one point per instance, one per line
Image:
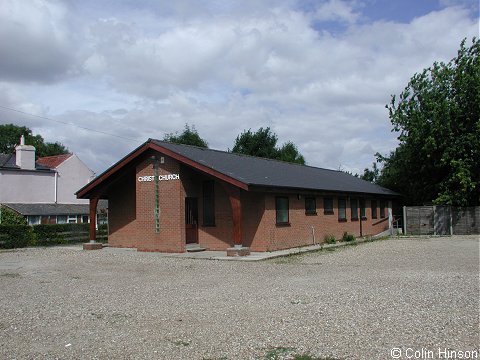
(371, 175)
(10, 137)
(437, 116)
(263, 143)
(189, 136)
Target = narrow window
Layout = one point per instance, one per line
(208, 203)
(382, 209)
(354, 207)
(328, 206)
(363, 212)
(374, 209)
(310, 206)
(342, 209)
(281, 207)
(61, 219)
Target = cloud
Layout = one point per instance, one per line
(34, 41)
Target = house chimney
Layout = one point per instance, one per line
(25, 155)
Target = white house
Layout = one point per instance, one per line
(44, 190)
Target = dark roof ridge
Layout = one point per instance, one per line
(244, 155)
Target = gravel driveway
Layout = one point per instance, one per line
(357, 302)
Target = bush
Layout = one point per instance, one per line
(348, 237)
(16, 236)
(10, 217)
(329, 239)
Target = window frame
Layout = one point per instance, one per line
(382, 209)
(328, 211)
(344, 208)
(352, 212)
(373, 208)
(277, 210)
(311, 211)
(208, 203)
(363, 208)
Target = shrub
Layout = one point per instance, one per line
(16, 236)
(329, 239)
(348, 237)
(52, 234)
(10, 217)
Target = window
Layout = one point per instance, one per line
(363, 212)
(374, 209)
(61, 219)
(328, 205)
(208, 203)
(354, 207)
(33, 219)
(85, 219)
(342, 209)
(281, 207)
(382, 209)
(310, 206)
(72, 219)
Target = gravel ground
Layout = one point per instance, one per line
(357, 302)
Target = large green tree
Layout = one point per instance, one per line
(189, 136)
(10, 137)
(437, 117)
(263, 143)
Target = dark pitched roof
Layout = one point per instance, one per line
(54, 209)
(8, 161)
(273, 173)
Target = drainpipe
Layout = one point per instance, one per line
(56, 186)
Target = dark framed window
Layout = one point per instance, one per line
(374, 208)
(363, 211)
(382, 209)
(310, 206)
(354, 208)
(342, 209)
(209, 203)
(328, 206)
(281, 208)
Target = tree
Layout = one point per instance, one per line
(263, 143)
(371, 175)
(437, 117)
(189, 136)
(10, 137)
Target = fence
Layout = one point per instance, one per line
(441, 220)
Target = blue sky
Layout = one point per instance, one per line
(319, 73)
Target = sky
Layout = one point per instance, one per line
(103, 76)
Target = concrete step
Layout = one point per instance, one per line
(195, 248)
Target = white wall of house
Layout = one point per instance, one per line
(23, 186)
(73, 174)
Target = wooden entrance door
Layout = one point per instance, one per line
(191, 220)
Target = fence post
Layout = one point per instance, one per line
(434, 223)
(451, 220)
(404, 220)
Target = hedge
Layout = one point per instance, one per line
(15, 236)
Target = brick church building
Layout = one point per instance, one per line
(163, 196)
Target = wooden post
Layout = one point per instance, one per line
(93, 245)
(234, 195)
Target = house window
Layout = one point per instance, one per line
(354, 208)
(208, 203)
(34, 219)
(342, 209)
(310, 206)
(374, 209)
(85, 219)
(382, 209)
(328, 205)
(61, 219)
(363, 211)
(281, 207)
(72, 219)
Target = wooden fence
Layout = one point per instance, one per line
(441, 220)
